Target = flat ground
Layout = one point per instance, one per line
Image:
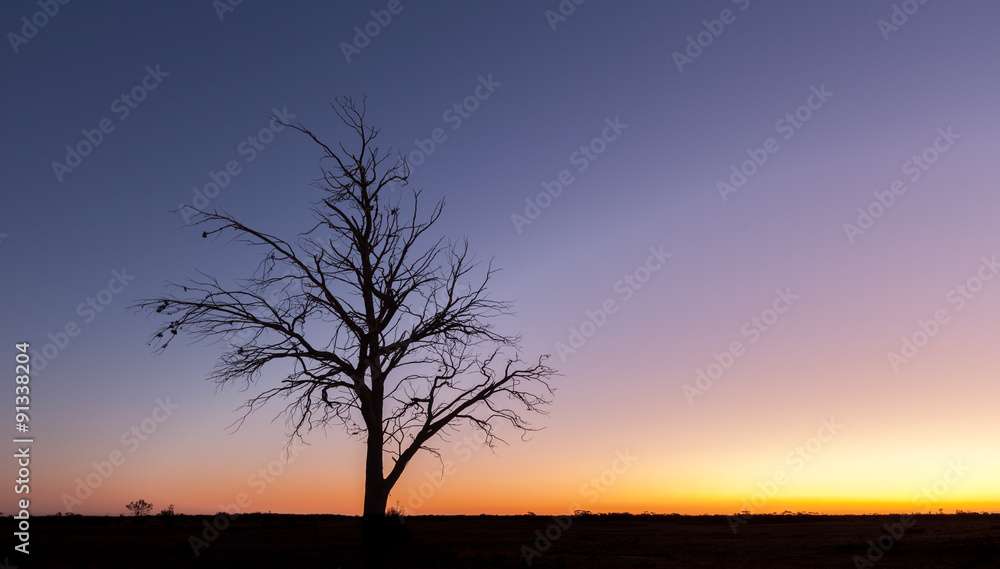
(272, 541)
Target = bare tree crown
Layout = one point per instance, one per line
(377, 325)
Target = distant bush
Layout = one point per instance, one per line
(396, 511)
(139, 508)
(395, 531)
(167, 512)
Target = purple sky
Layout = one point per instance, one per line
(637, 130)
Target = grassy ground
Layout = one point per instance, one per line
(273, 541)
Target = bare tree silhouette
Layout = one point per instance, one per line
(375, 325)
(139, 508)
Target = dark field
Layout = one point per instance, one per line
(272, 541)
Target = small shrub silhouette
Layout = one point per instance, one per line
(394, 526)
(139, 508)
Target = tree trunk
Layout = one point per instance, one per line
(373, 518)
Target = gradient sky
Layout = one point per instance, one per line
(914, 436)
